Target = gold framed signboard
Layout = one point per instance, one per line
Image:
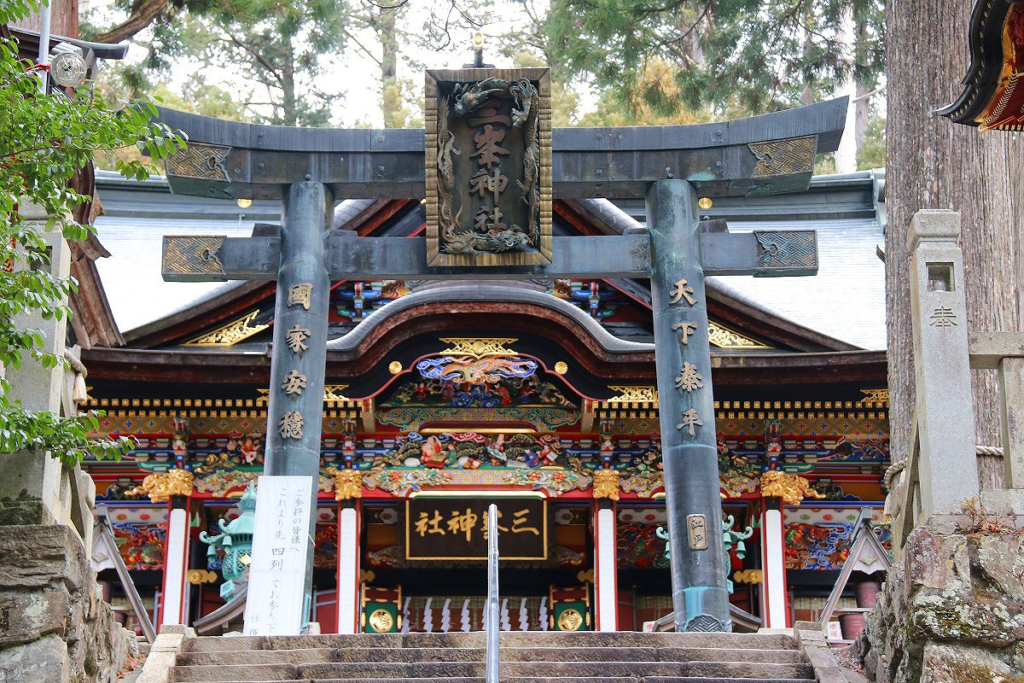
(447, 527)
(488, 167)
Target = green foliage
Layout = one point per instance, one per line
(871, 154)
(44, 141)
(736, 56)
(276, 50)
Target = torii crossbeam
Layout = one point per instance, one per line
(668, 166)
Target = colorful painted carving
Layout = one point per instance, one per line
(470, 370)
(140, 544)
(481, 383)
(638, 545)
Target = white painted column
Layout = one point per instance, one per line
(175, 562)
(348, 567)
(773, 564)
(605, 570)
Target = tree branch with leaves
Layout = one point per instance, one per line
(44, 141)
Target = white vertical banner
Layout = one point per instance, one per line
(274, 602)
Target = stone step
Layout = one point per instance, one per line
(446, 670)
(732, 641)
(388, 670)
(511, 654)
(534, 679)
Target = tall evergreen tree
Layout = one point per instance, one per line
(735, 56)
(935, 164)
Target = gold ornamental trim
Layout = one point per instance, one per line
(751, 576)
(478, 347)
(606, 484)
(348, 484)
(634, 394)
(791, 488)
(332, 396)
(197, 577)
(229, 334)
(160, 487)
(721, 336)
(874, 396)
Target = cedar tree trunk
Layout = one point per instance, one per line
(934, 164)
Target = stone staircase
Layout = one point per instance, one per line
(525, 658)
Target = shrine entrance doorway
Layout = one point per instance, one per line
(406, 573)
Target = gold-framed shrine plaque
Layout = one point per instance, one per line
(488, 167)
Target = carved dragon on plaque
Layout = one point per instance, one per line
(489, 234)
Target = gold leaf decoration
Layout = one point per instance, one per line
(229, 334)
(606, 484)
(724, 338)
(348, 484)
(160, 487)
(791, 488)
(478, 347)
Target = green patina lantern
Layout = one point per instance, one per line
(236, 542)
(730, 538)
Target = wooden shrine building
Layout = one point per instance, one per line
(539, 392)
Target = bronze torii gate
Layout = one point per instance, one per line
(310, 169)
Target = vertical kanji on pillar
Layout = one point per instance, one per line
(298, 362)
(683, 358)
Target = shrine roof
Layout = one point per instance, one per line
(845, 302)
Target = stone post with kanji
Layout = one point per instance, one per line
(298, 361)
(945, 419)
(683, 357)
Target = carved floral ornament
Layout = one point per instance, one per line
(606, 484)
(348, 484)
(160, 487)
(791, 488)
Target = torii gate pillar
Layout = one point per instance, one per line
(298, 364)
(689, 453)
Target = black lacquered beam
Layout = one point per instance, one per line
(768, 154)
(217, 259)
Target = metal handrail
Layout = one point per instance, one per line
(492, 594)
(106, 536)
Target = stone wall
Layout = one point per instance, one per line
(53, 628)
(952, 608)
